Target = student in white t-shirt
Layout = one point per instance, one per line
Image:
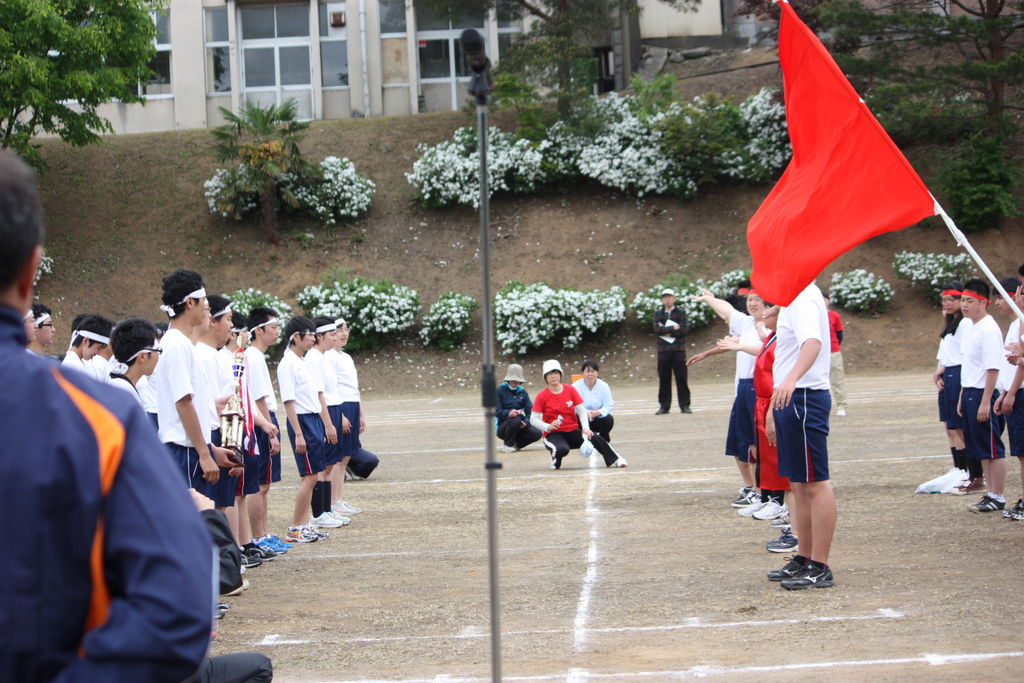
(355, 459)
(801, 405)
(176, 378)
(319, 365)
(90, 334)
(1010, 403)
(134, 343)
(741, 437)
(308, 428)
(983, 356)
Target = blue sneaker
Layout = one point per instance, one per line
(272, 543)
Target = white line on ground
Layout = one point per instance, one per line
(692, 622)
(704, 491)
(431, 553)
(275, 639)
(583, 605)
(704, 671)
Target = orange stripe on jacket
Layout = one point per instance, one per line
(110, 441)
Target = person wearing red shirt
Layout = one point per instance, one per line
(558, 412)
(837, 375)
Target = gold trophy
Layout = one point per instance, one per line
(232, 417)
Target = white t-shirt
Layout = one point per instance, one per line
(983, 351)
(147, 393)
(320, 367)
(950, 354)
(806, 318)
(71, 360)
(213, 383)
(100, 368)
(296, 384)
(175, 378)
(260, 385)
(745, 327)
(346, 374)
(1007, 370)
(122, 383)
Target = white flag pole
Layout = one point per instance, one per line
(961, 239)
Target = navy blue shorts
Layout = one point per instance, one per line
(949, 397)
(332, 452)
(155, 419)
(275, 459)
(249, 482)
(350, 443)
(312, 427)
(268, 468)
(741, 421)
(187, 461)
(226, 487)
(802, 434)
(1015, 426)
(983, 440)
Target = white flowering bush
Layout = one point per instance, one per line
(860, 291)
(244, 300)
(727, 284)
(698, 314)
(530, 317)
(449, 321)
(767, 150)
(930, 271)
(336, 193)
(448, 173)
(45, 268)
(375, 310)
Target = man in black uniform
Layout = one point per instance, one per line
(670, 325)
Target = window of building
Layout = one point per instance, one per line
(440, 50)
(333, 47)
(275, 55)
(392, 17)
(160, 82)
(510, 25)
(218, 54)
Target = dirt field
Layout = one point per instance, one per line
(644, 573)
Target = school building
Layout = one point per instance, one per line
(348, 59)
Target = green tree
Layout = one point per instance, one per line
(265, 140)
(60, 60)
(555, 54)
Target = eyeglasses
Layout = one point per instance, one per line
(45, 325)
(157, 351)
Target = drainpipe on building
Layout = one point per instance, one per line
(364, 54)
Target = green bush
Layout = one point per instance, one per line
(980, 184)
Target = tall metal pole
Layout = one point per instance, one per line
(479, 87)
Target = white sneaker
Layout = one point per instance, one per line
(343, 508)
(771, 511)
(326, 520)
(750, 509)
(621, 462)
(345, 521)
(508, 449)
(841, 412)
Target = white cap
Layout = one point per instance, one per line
(551, 366)
(668, 292)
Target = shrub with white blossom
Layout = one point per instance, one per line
(336, 193)
(930, 271)
(698, 315)
(530, 317)
(449, 321)
(375, 310)
(767, 150)
(728, 283)
(860, 291)
(45, 268)
(244, 300)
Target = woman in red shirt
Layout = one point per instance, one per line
(559, 413)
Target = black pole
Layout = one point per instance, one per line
(479, 87)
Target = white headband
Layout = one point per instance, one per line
(263, 324)
(198, 294)
(340, 321)
(92, 335)
(42, 319)
(28, 316)
(227, 309)
(329, 327)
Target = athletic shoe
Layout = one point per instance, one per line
(1019, 507)
(250, 558)
(345, 521)
(1018, 516)
(277, 544)
(297, 534)
(343, 508)
(315, 532)
(263, 552)
(621, 462)
(349, 474)
(325, 520)
(810, 577)
(987, 504)
(751, 509)
(556, 463)
(747, 496)
(789, 570)
(685, 410)
(784, 543)
(781, 522)
(771, 510)
(841, 412)
(970, 486)
(508, 449)
(267, 544)
(661, 411)
(238, 591)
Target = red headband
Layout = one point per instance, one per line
(952, 292)
(743, 291)
(975, 295)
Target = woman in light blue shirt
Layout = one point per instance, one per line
(597, 400)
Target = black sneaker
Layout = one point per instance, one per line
(1015, 511)
(686, 410)
(784, 543)
(263, 553)
(661, 411)
(795, 565)
(251, 558)
(810, 577)
(745, 498)
(987, 504)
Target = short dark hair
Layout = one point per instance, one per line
(237, 321)
(258, 316)
(96, 324)
(590, 364)
(320, 321)
(39, 310)
(299, 323)
(179, 285)
(218, 302)
(21, 217)
(953, 285)
(978, 286)
(130, 336)
(742, 284)
(75, 324)
(1010, 284)
(161, 328)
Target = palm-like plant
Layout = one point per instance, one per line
(266, 142)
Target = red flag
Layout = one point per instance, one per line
(847, 180)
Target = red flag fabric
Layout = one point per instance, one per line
(847, 180)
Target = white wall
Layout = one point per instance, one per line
(658, 20)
